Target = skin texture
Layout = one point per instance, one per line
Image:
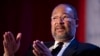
(10, 44)
(63, 28)
(63, 24)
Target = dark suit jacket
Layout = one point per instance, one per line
(76, 49)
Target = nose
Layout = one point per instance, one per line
(60, 21)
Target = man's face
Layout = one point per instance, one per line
(62, 22)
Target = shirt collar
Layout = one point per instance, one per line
(65, 43)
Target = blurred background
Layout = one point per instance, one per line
(32, 19)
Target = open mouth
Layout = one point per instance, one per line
(60, 29)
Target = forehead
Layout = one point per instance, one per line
(62, 8)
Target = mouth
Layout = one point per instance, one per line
(60, 29)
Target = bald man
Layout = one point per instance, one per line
(63, 29)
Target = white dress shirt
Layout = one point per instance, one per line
(65, 45)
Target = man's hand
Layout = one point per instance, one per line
(40, 49)
(11, 45)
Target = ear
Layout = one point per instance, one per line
(76, 25)
(77, 22)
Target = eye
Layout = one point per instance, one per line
(53, 18)
(65, 17)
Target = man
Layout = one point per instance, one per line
(63, 28)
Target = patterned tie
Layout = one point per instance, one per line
(57, 49)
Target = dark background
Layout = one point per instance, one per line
(32, 19)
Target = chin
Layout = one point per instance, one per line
(61, 36)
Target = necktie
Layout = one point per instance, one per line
(57, 49)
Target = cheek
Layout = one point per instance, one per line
(68, 26)
(52, 26)
(73, 24)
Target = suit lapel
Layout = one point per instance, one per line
(71, 48)
(49, 44)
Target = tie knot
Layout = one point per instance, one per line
(60, 43)
(57, 49)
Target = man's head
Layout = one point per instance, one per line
(63, 22)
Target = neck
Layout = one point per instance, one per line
(65, 39)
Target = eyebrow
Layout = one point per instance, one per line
(62, 13)
(66, 13)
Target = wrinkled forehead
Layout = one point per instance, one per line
(62, 8)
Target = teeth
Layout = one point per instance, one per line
(60, 28)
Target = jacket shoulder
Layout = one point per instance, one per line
(86, 49)
(48, 44)
(87, 46)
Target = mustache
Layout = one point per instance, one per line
(60, 27)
